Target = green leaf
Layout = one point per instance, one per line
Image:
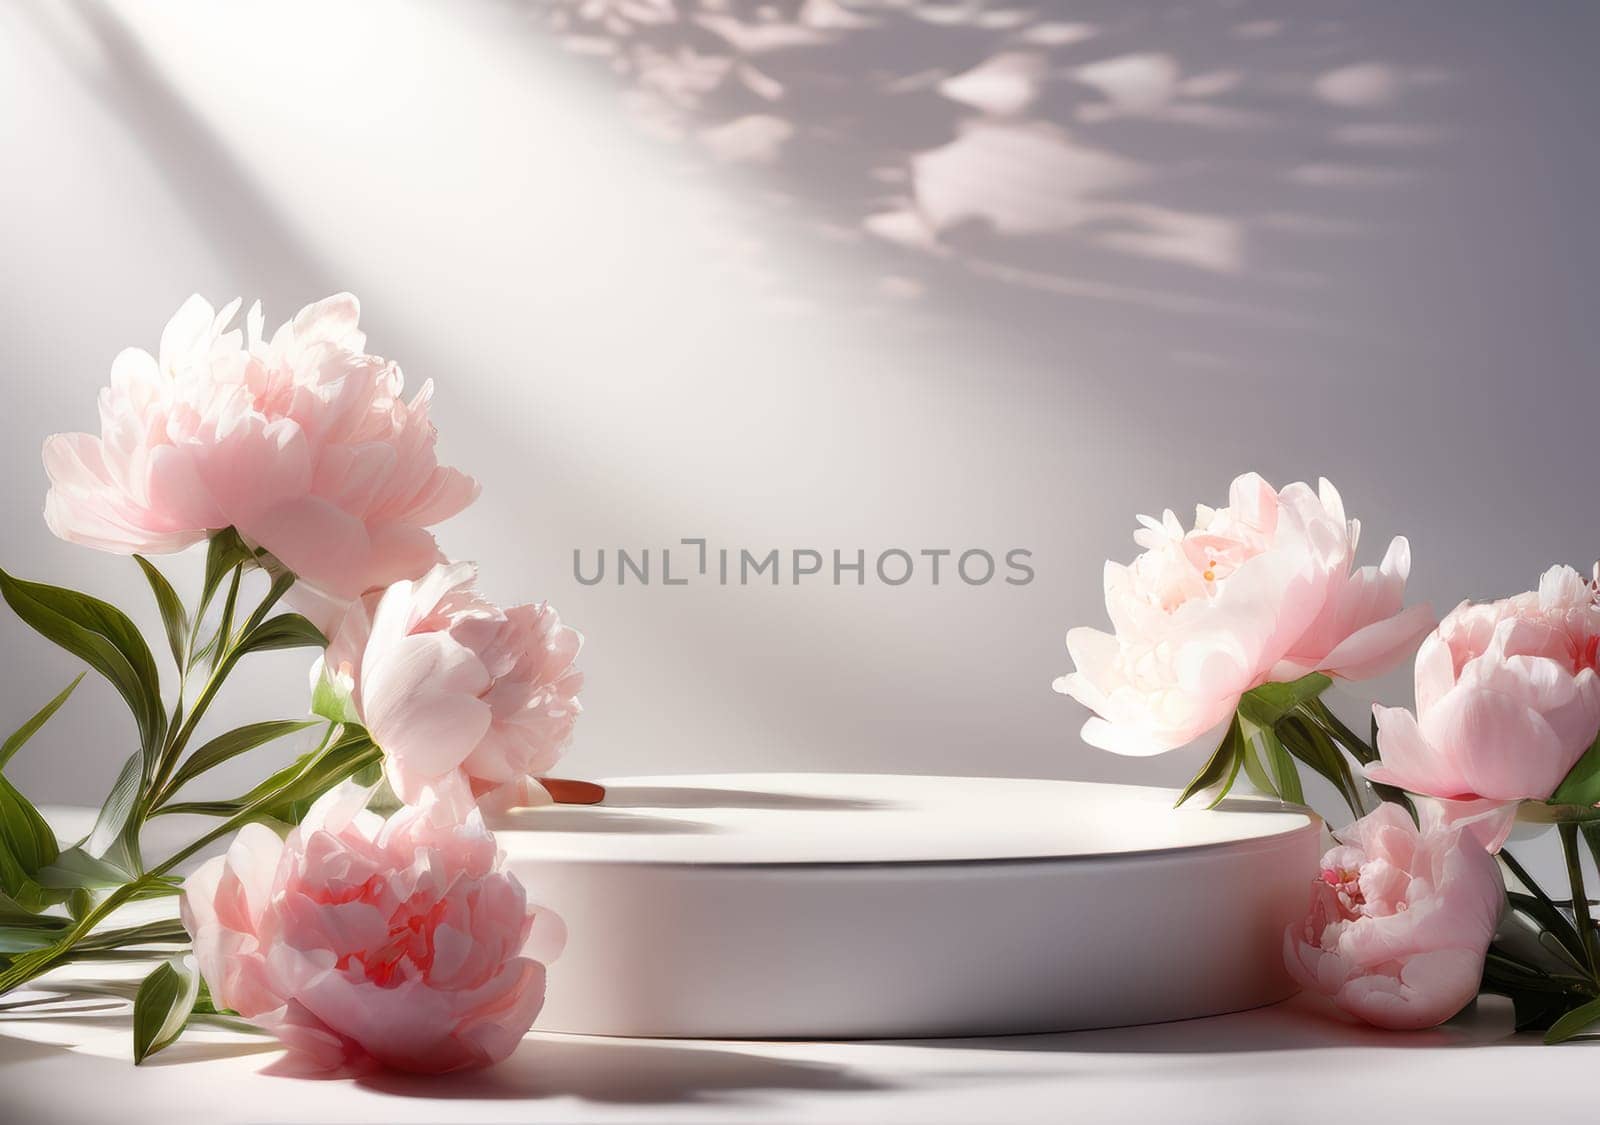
(101, 635)
(199, 656)
(287, 794)
(1573, 1022)
(1268, 765)
(232, 744)
(162, 1006)
(1551, 920)
(1311, 745)
(165, 932)
(1268, 703)
(23, 939)
(1508, 968)
(204, 1005)
(1539, 906)
(224, 635)
(199, 808)
(1532, 1009)
(12, 911)
(341, 761)
(77, 869)
(280, 586)
(1281, 766)
(1256, 771)
(42, 716)
(1216, 777)
(332, 702)
(1581, 786)
(24, 834)
(173, 617)
(27, 842)
(21, 890)
(287, 630)
(117, 808)
(1538, 999)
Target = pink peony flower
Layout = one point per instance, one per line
(1262, 590)
(455, 689)
(1399, 922)
(301, 442)
(1508, 699)
(399, 941)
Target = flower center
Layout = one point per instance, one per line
(410, 939)
(1346, 884)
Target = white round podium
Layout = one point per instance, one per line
(847, 906)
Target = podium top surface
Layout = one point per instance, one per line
(829, 818)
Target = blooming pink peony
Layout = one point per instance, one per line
(402, 942)
(1508, 699)
(1399, 923)
(455, 689)
(302, 443)
(1262, 590)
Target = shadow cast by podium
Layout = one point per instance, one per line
(685, 797)
(1297, 1024)
(566, 818)
(627, 1072)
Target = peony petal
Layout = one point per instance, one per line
(1374, 649)
(253, 859)
(1488, 823)
(1435, 672)
(547, 937)
(186, 334)
(1408, 760)
(1504, 749)
(331, 320)
(327, 547)
(1431, 988)
(420, 701)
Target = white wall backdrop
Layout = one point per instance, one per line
(885, 273)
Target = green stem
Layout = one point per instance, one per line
(1580, 897)
(225, 627)
(180, 738)
(224, 658)
(280, 586)
(30, 965)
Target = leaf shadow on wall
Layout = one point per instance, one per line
(1218, 164)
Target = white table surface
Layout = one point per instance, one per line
(70, 1061)
(1278, 1064)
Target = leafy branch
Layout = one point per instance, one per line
(55, 901)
